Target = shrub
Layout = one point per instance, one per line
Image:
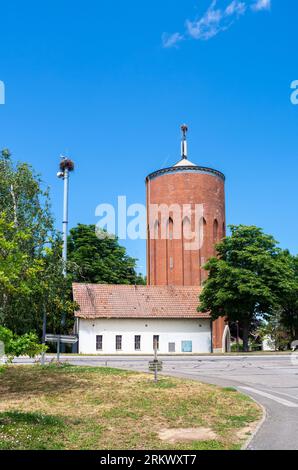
(236, 347)
(25, 345)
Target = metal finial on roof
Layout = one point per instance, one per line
(184, 130)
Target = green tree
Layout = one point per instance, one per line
(274, 332)
(54, 290)
(289, 303)
(24, 202)
(247, 280)
(17, 269)
(99, 258)
(31, 266)
(29, 286)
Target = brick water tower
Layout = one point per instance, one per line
(185, 219)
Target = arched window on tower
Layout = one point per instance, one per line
(170, 229)
(215, 231)
(187, 238)
(203, 230)
(155, 256)
(156, 230)
(186, 230)
(170, 252)
(203, 235)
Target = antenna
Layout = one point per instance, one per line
(184, 130)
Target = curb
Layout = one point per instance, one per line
(260, 424)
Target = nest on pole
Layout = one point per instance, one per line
(67, 164)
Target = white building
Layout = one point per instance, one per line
(123, 319)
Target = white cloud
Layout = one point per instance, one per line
(261, 5)
(215, 20)
(171, 40)
(236, 8)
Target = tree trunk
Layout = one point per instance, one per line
(14, 201)
(245, 327)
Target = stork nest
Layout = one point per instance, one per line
(67, 164)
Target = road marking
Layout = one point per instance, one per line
(282, 401)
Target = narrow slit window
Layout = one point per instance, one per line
(171, 262)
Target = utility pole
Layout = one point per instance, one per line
(65, 219)
(66, 167)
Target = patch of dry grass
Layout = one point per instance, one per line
(101, 408)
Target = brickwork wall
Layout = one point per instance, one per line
(168, 260)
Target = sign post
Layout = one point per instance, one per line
(2, 353)
(58, 348)
(61, 339)
(155, 365)
(44, 332)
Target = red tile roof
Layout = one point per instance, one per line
(123, 301)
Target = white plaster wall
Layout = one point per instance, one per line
(169, 331)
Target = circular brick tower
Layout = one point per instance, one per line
(185, 219)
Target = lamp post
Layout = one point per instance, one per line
(66, 167)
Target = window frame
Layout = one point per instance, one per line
(97, 341)
(158, 340)
(118, 338)
(137, 338)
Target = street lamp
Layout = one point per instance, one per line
(66, 167)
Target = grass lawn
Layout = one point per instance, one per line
(70, 407)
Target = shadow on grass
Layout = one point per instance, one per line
(52, 378)
(69, 368)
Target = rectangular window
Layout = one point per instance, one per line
(118, 343)
(156, 342)
(172, 347)
(171, 262)
(137, 343)
(99, 343)
(186, 346)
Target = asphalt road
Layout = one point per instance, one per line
(270, 380)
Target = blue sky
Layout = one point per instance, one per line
(109, 83)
